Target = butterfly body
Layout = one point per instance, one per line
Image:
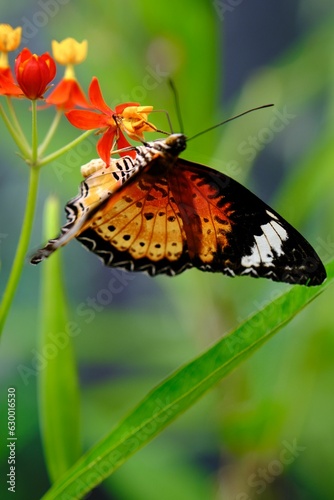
(172, 214)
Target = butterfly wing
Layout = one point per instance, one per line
(234, 232)
(140, 227)
(100, 183)
(169, 219)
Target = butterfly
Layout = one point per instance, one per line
(162, 214)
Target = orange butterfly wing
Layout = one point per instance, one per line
(100, 183)
(170, 217)
(140, 227)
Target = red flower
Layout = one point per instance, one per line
(8, 85)
(34, 73)
(110, 122)
(67, 95)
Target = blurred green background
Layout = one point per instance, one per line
(267, 430)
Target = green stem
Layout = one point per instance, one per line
(21, 248)
(17, 124)
(15, 135)
(34, 133)
(50, 133)
(27, 223)
(35, 164)
(59, 152)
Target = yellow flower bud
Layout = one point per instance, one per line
(69, 51)
(134, 121)
(136, 112)
(10, 38)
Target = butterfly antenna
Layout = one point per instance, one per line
(154, 129)
(229, 120)
(122, 150)
(177, 103)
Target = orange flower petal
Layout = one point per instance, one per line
(79, 97)
(86, 120)
(105, 144)
(121, 107)
(95, 96)
(124, 143)
(8, 85)
(67, 95)
(60, 93)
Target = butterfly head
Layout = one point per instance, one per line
(175, 144)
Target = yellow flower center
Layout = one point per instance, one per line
(69, 72)
(4, 60)
(10, 38)
(69, 51)
(134, 120)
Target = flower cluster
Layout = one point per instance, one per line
(129, 117)
(33, 78)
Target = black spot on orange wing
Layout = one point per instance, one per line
(148, 234)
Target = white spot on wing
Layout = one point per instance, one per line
(280, 230)
(273, 216)
(265, 245)
(253, 259)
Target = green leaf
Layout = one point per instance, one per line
(58, 384)
(179, 391)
